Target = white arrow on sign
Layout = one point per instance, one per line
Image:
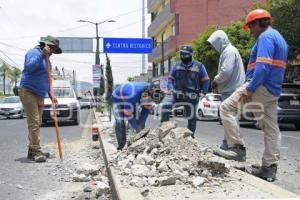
(108, 45)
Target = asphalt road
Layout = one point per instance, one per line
(20, 178)
(211, 133)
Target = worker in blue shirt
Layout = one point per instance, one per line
(34, 86)
(258, 95)
(184, 87)
(132, 101)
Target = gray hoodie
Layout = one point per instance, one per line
(231, 73)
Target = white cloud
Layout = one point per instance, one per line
(22, 23)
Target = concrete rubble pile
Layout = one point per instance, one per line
(169, 156)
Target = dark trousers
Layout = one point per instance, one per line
(120, 128)
(190, 107)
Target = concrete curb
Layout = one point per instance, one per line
(119, 192)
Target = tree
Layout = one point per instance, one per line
(102, 83)
(109, 79)
(130, 79)
(4, 72)
(286, 18)
(210, 58)
(14, 74)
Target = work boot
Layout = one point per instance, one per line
(39, 157)
(266, 173)
(31, 154)
(237, 153)
(224, 145)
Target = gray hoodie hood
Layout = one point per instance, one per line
(231, 73)
(219, 40)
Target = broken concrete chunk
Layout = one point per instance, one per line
(198, 181)
(167, 180)
(153, 181)
(165, 129)
(141, 171)
(123, 164)
(81, 178)
(102, 188)
(138, 136)
(180, 133)
(145, 192)
(163, 167)
(88, 169)
(137, 182)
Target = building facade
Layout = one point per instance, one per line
(177, 22)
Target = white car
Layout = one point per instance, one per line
(208, 106)
(11, 107)
(67, 108)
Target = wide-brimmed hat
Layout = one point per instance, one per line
(50, 40)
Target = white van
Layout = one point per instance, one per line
(67, 108)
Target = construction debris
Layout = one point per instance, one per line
(167, 156)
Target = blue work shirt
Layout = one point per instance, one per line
(267, 62)
(128, 96)
(35, 73)
(195, 66)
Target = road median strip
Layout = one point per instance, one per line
(236, 184)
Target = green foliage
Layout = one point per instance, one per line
(102, 83)
(14, 74)
(4, 69)
(130, 79)
(210, 57)
(286, 19)
(109, 79)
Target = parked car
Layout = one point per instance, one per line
(11, 107)
(68, 107)
(208, 106)
(177, 111)
(289, 105)
(87, 103)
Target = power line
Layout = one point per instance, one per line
(9, 58)
(73, 28)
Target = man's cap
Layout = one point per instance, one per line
(53, 41)
(186, 49)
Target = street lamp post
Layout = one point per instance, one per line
(97, 55)
(97, 59)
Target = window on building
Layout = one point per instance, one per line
(166, 66)
(173, 30)
(155, 70)
(154, 42)
(162, 68)
(169, 64)
(153, 16)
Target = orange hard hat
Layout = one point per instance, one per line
(255, 15)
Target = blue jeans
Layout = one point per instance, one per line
(120, 128)
(190, 110)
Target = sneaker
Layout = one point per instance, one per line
(31, 154)
(224, 145)
(266, 173)
(237, 153)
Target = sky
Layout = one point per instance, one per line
(23, 22)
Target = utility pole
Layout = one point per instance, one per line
(97, 55)
(143, 36)
(162, 64)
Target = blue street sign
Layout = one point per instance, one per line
(127, 45)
